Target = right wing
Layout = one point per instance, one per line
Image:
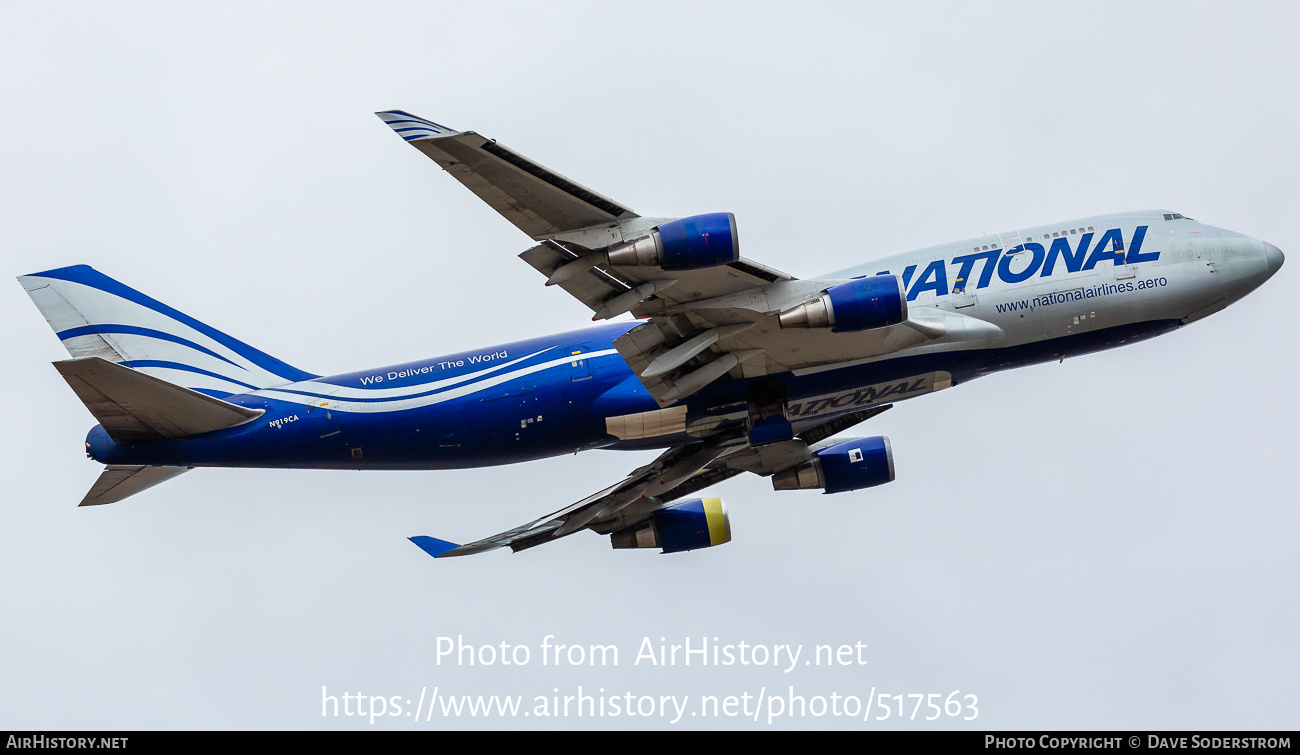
(536, 200)
(708, 322)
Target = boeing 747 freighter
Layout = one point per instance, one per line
(730, 366)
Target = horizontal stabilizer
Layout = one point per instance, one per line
(134, 406)
(432, 545)
(116, 483)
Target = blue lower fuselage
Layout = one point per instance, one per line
(539, 398)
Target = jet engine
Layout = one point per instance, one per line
(685, 244)
(685, 526)
(851, 465)
(860, 304)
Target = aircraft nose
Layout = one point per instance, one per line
(1275, 258)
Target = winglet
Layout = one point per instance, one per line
(412, 127)
(432, 545)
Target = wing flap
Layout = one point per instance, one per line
(596, 284)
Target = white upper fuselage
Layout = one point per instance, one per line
(1182, 270)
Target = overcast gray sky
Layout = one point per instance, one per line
(1108, 542)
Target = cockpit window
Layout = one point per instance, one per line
(1176, 216)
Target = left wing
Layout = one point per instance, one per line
(648, 485)
(675, 474)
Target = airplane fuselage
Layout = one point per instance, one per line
(1009, 300)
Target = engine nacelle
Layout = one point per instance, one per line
(860, 304)
(851, 465)
(685, 526)
(685, 244)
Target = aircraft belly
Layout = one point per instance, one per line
(508, 426)
(466, 434)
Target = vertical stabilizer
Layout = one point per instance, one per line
(96, 316)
